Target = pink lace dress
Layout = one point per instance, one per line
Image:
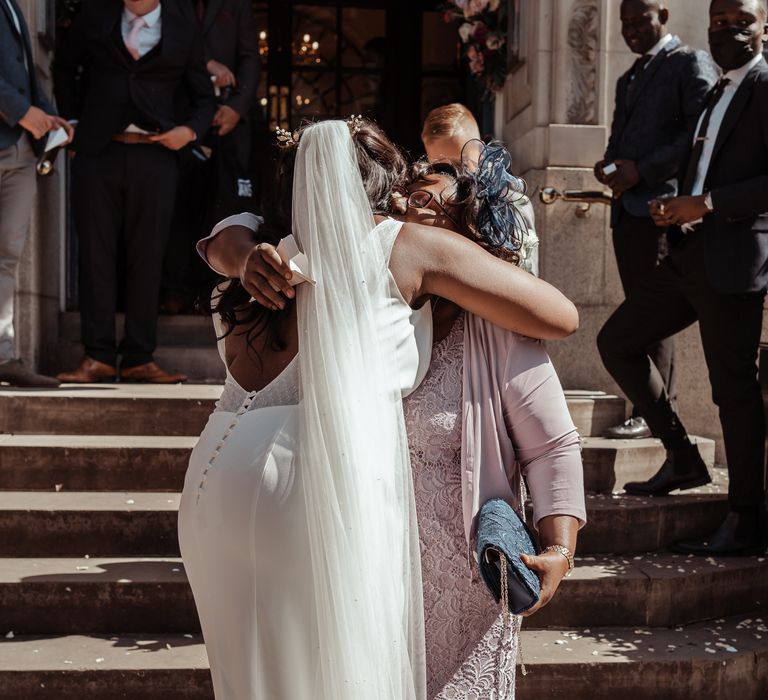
(466, 657)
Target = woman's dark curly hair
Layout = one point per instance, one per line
(486, 198)
(382, 167)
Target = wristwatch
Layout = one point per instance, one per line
(708, 202)
(560, 549)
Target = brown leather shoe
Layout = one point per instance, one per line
(151, 373)
(90, 371)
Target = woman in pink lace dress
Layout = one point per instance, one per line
(470, 656)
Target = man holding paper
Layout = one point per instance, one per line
(26, 119)
(120, 72)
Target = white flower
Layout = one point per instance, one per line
(494, 41)
(466, 30)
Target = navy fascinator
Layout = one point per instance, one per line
(500, 194)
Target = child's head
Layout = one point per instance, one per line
(446, 130)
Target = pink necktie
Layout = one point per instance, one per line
(132, 40)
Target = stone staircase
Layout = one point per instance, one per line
(94, 602)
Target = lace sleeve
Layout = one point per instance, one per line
(251, 221)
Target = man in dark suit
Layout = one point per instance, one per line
(657, 103)
(221, 186)
(136, 55)
(716, 274)
(26, 118)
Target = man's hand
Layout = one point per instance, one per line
(550, 567)
(678, 210)
(37, 122)
(625, 178)
(599, 170)
(64, 124)
(176, 138)
(265, 277)
(226, 119)
(223, 76)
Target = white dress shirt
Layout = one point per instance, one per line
(14, 16)
(736, 78)
(150, 35)
(660, 44)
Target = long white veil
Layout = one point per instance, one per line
(354, 456)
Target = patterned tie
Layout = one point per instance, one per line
(132, 40)
(701, 137)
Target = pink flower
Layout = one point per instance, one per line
(474, 7)
(476, 61)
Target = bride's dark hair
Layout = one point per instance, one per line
(382, 167)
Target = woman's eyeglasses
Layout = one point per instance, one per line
(421, 199)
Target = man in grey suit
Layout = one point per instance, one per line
(26, 117)
(657, 103)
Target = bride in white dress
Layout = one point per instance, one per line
(297, 522)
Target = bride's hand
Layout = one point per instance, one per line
(265, 277)
(550, 567)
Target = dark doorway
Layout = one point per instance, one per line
(392, 61)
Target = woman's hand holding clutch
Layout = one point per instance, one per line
(550, 567)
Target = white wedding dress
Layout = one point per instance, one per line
(243, 523)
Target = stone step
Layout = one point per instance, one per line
(144, 409)
(201, 363)
(100, 594)
(184, 330)
(636, 662)
(594, 411)
(69, 524)
(129, 667)
(108, 409)
(94, 462)
(656, 589)
(722, 660)
(623, 524)
(64, 524)
(609, 464)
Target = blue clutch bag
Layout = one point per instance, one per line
(502, 531)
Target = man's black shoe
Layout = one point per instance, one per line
(683, 469)
(739, 535)
(631, 429)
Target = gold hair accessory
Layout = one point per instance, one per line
(287, 139)
(355, 123)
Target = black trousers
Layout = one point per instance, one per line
(675, 296)
(208, 192)
(123, 203)
(640, 246)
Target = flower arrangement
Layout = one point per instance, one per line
(483, 33)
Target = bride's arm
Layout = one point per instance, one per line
(428, 260)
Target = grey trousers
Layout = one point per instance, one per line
(18, 183)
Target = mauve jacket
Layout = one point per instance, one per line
(516, 424)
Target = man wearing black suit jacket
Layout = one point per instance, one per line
(717, 275)
(657, 103)
(210, 191)
(136, 55)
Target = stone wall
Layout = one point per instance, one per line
(555, 115)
